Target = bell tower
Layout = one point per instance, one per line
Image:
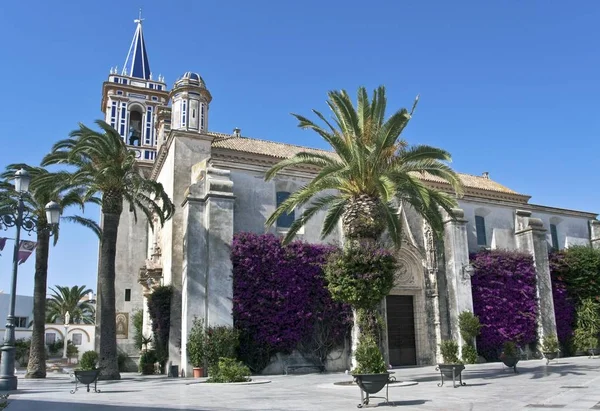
(190, 100)
(131, 99)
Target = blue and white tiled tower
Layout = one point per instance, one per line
(131, 99)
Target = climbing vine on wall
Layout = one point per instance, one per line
(159, 309)
(564, 305)
(504, 299)
(279, 294)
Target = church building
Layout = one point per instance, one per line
(216, 181)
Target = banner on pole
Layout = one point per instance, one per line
(25, 250)
(2, 243)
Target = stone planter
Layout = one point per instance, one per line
(510, 361)
(86, 378)
(453, 371)
(372, 384)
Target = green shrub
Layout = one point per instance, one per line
(469, 326)
(449, 351)
(137, 320)
(72, 350)
(55, 347)
(469, 354)
(360, 276)
(228, 370)
(221, 342)
(89, 359)
(147, 361)
(587, 325)
(122, 361)
(368, 357)
(22, 346)
(196, 343)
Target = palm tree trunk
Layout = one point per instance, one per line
(36, 368)
(106, 298)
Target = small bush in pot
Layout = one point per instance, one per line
(470, 327)
(89, 361)
(147, 362)
(196, 347)
(369, 358)
(449, 351)
(509, 355)
(88, 372)
(549, 347)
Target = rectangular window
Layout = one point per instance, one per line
(21, 322)
(159, 87)
(115, 79)
(202, 116)
(183, 113)
(480, 226)
(554, 235)
(125, 81)
(151, 86)
(285, 220)
(128, 294)
(50, 338)
(148, 139)
(76, 338)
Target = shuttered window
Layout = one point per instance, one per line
(480, 226)
(285, 220)
(554, 235)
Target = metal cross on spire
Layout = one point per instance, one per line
(139, 19)
(136, 62)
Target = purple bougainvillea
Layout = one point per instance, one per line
(279, 292)
(564, 307)
(504, 299)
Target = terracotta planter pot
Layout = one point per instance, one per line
(198, 372)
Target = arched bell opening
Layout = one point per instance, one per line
(134, 135)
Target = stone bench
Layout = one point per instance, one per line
(295, 363)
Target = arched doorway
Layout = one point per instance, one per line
(405, 314)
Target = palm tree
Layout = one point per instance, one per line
(72, 300)
(105, 165)
(44, 187)
(371, 173)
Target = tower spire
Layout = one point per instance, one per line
(136, 63)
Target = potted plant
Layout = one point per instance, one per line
(452, 367)
(370, 373)
(87, 373)
(549, 348)
(362, 275)
(469, 326)
(509, 355)
(147, 362)
(196, 347)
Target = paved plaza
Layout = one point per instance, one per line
(568, 384)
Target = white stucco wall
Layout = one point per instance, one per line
(256, 200)
(572, 229)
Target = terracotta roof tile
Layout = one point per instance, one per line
(282, 150)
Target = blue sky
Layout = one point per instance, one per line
(509, 87)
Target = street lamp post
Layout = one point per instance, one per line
(66, 340)
(21, 220)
